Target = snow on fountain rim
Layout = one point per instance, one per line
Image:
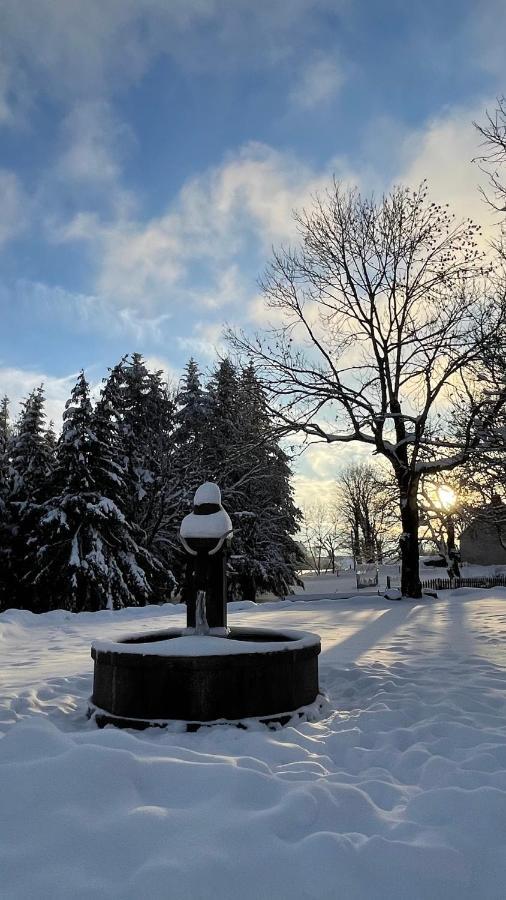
(209, 644)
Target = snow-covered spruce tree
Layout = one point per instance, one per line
(30, 465)
(4, 425)
(50, 437)
(30, 453)
(6, 526)
(382, 313)
(241, 453)
(88, 558)
(268, 516)
(221, 455)
(190, 427)
(145, 413)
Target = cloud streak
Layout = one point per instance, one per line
(14, 207)
(72, 50)
(320, 82)
(222, 222)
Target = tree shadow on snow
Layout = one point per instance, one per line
(373, 632)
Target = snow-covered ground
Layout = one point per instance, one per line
(345, 583)
(397, 792)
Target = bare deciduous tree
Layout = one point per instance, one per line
(321, 534)
(381, 318)
(365, 505)
(442, 517)
(493, 159)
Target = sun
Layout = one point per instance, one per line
(447, 496)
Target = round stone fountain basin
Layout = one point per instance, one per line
(153, 679)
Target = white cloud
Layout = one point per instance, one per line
(16, 384)
(255, 191)
(224, 221)
(93, 141)
(323, 461)
(238, 208)
(316, 470)
(83, 189)
(206, 340)
(308, 490)
(84, 313)
(137, 265)
(443, 152)
(44, 299)
(81, 48)
(140, 328)
(72, 48)
(228, 289)
(171, 373)
(225, 217)
(320, 81)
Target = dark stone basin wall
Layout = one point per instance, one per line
(205, 688)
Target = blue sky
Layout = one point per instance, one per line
(152, 151)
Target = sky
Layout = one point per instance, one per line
(152, 153)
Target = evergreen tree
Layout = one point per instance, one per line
(242, 455)
(145, 413)
(190, 427)
(6, 525)
(30, 465)
(88, 558)
(50, 437)
(30, 455)
(266, 553)
(191, 423)
(222, 445)
(91, 521)
(4, 426)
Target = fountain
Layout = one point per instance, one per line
(206, 672)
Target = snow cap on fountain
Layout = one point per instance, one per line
(207, 493)
(214, 523)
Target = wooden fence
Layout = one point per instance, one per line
(445, 584)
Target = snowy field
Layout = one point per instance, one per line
(345, 583)
(397, 792)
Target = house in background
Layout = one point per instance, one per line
(483, 542)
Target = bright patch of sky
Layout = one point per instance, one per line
(152, 152)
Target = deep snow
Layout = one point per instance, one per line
(398, 792)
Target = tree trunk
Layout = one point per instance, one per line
(379, 550)
(355, 539)
(249, 587)
(453, 566)
(411, 585)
